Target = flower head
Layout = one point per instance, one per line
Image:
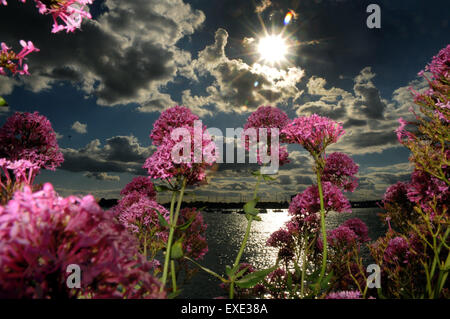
(194, 243)
(347, 294)
(14, 62)
(170, 119)
(308, 202)
(273, 120)
(359, 228)
(30, 136)
(340, 170)
(167, 162)
(41, 234)
(313, 132)
(342, 237)
(142, 185)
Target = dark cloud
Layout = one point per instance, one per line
(123, 57)
(102, 176)
(120, 154)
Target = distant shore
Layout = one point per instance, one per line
(108, 203)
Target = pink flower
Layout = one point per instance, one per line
(30, 136)
(340, 170)
(162, 164)
(194, 242)
(13, 61)
(174, 117)
(280, 238)
(308, 202)
(349, 294)
(440, 65)
(396, 250)
(70, 12)
(313, 132)
(359, 228)
(267, 117)
(342, 237)
(142, 185)
(41, 234)
(142, 214)
(423, 188)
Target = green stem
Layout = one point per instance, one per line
(323, 227)
(173, 223)
(174, 278)
(305, 252)
(244, 241)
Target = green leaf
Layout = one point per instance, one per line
(268, 178)
(253, 278)
(177, 249)
(174, 294)
(162, 221)
(249, 207)
(241, 272)
(209, 271)
(3, 102)
(162, 188)
(256, 173)
(257, 218)
(187, 224)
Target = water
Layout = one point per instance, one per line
(226, 231)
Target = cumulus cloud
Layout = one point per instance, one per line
(102, 176)
(79, 127)
(237, 86)
(369, 119)
(120, 154)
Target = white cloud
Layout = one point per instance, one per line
(79, 127)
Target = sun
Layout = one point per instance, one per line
(272, 49)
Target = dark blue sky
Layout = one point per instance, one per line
(138, 57)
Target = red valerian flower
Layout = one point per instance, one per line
(359, 227)
(340, 170)
(170, 119)
(30, 136)
(313, 132)
(166, 163)
(308, 202)
(194, 242)
(41, 234)
(347, 294)
(267, 117)
(14, 62)
(141, 184)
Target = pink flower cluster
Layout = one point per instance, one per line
(41, 234)
(308, 201)
(396, 193)
(425, 188)
(141, 214)
(9, 60)
(346, 294)
(313, 132)
(167, 162)
(340, 170)
(170, 119)
(194, 243)
(359, 228)
(397, 250)
(268, 117)
(30, 136)
(24, 173)
(70, 12)
(280, 238)
(141, 184)
(342, 237)
(440, 65)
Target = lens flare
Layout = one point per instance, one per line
(288, 18)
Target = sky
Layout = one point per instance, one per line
(102, 87)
